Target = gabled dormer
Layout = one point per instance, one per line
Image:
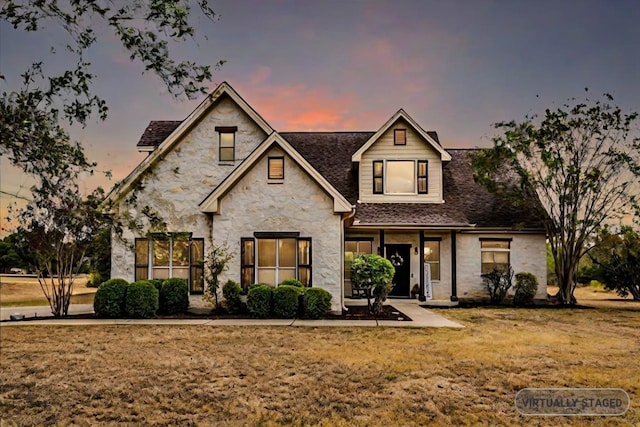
(401, 163)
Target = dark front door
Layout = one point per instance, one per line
(399, 256)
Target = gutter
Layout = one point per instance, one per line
(350, 215)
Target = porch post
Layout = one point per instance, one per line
(454, 283)
(381, 248)
(421, 264)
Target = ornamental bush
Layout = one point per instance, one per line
(498, 282)
(232, 293)
(286, 301)
(376, 273)
(142, 299)
(259, 300)
(174, 296)
(316, 303)
(109, 298)
(525, 289)
(292, 282)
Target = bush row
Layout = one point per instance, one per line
(141, 299)
(285, 301)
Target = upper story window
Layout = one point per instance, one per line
(227, 143)
(400, 137)
(400, 177)
(276, 168)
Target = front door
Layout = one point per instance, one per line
(399, 255)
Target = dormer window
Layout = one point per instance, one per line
(400, 177)
(400, 137)
(227, 143)
(276, 168)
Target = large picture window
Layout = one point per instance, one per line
(165, 257)
(273, 258)
(495, 254)
(400, 177)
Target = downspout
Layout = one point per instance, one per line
(344, 219)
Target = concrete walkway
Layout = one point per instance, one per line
(421, 318)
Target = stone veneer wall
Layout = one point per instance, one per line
(177, 183)
(296, 204)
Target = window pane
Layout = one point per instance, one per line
(142, 273)
(364, 247)
(400, 137)
(304, 275)
(500, 244)
(377, 185)
(435, 270)
(197, 282)
(226, 154)
(247, 277)
(377, 169)
(400, 177)
(142, 252)
(351, 246)
(422, 185)
(276, 168)
(180, 253)
(267, 276)
(487, 257)
(501, 257)
(182, 273)
(286, 273)
(227, 139)
(160, 273)
(304, 252)
(267, 252)
(287, 252)
(422, 168)
(160, 253)
(197, 251)
(247, 252)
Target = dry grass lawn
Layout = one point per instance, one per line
(274, 376)
(25, 290)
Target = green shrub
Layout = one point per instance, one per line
(157, 283)
(292, 282)
(286, 301)
(110, 297)
(375, 273)
(525, 289)
(94, 279)
(174, 296)
(498, 282)
(316, 303)
(142, 299)
(232, 297)
(259, 300)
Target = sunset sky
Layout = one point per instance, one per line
(455, 66)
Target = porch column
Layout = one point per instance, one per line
(381, 247)
(454, 268)
(421, 264)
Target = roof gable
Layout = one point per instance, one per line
(401, 114)
(179, 131)
(211, 203)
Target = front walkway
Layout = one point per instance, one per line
(421, 318)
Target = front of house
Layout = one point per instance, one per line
(304, 204)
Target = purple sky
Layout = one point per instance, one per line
(455, 66)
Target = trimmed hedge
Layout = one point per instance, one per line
(259, 300)
(231, 291)
(292, 282)
(174, 296)
(316, 302)
(525, 289)
(110, 298)
(286, 301)
(142, 299)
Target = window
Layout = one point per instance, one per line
(274, 257)
(400, 177)
(400, 137)
(165, 257)
(227, 143)
(378, 177)
(423, 181)
(276, 168)
(495, 254)
(432, 257)
(352, 249)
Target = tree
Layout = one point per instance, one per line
(616, 261)
(374, 273)
(215, 263)
(580, 161)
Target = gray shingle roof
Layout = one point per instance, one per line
(157, 131)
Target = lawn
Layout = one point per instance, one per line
(272, 376)
(20, 291)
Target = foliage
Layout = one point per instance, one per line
(157, 283)
(259, 300)
(616, 261)
(498, 282)
(174, 296)
(525, 289)
(286, 301)
(232, 293)
(94, 279)
(12, 254)
(110, 297)
(215, 263)
(99, 252)
(316, 302)
(141, 300)
(376, 273)
(292, 282)
(580, 161)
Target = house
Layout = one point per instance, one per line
(304, 204)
